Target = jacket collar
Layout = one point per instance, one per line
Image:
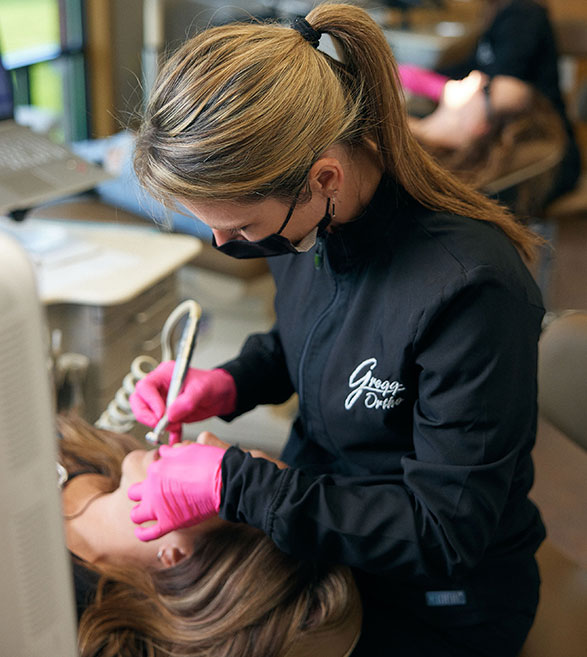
(357, 240)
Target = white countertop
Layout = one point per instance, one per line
(94, 263)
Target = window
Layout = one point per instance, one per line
(42, 44)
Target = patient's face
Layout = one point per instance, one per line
(171, 547)
(107, 527)
(135, 464)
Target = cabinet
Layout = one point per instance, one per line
(112, 336)
(109, 289)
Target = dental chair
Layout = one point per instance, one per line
(560, 627)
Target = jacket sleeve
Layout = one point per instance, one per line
(260, 373)
(473, 427)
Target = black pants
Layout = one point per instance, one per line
(495, 621)
(406, 637)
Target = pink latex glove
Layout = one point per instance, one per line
(422, 82)
(182, 489)
(205, 393)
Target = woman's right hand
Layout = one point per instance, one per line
(205, 393)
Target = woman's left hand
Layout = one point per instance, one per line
(182, 488)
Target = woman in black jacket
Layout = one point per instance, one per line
(407, 323)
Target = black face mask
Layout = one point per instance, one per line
(272, 245)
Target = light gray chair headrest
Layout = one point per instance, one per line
(562, 375)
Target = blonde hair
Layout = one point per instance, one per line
(242, 111)
(237, 594)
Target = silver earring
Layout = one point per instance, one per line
(333, 207)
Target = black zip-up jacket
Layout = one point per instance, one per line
(411, 339)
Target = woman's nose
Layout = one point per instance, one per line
(221, 236)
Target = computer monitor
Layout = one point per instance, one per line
(37, 613)
(34, 169)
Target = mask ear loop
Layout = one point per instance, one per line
(292, 207)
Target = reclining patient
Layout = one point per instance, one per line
(216, 589)
(479, 127)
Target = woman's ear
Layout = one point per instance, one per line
(170, 555)
(326, 176)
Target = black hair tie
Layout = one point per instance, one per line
(302, 26)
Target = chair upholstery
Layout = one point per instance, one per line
(560, 627)
(562, 375)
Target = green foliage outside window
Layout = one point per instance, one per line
(28, 24)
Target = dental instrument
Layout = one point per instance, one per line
(182, 358)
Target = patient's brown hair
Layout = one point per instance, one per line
(236, 595)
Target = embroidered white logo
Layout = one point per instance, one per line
(379, 393)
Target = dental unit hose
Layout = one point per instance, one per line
(118, 416)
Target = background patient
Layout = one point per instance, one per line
(216, 589)
(479, 127)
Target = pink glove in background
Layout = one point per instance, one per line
(205, 393)
(182, 489)
(422, 82)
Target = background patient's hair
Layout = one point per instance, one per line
(492, 155)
